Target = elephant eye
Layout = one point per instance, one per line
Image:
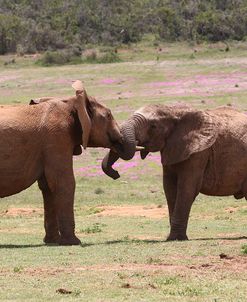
(109, 115)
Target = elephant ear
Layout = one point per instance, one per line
(41, 100)
(195, 131)
(81, 108)
(34, 102)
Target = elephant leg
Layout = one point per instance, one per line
(244, 190)
(170, 189)
(50, 216)
(189, 182)
(61, 182)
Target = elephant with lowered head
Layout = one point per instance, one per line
(201, 151)
(37, 144)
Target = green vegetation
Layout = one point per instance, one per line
(244, 249)
(123, 224)
(96, 228)
(36, 26)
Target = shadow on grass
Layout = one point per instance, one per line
(112, 242)
(24, 246)
(134, 241)
(220, 238)
(19, 246)
(150, 241)
(120, 241)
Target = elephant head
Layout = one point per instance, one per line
(97, 126)
(176, 132)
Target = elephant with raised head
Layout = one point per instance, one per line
(37, 144)
(201, 151)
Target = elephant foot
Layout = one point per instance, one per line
(179, 237)
(73, 240)
(54, 239)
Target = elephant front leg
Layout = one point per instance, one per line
(170, 189)
(178, 214)
(66, 221)
(62, 188)
(189, 181)
(52, 234)
(180, 217)
(64, 201)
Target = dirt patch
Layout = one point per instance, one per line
(227, 263)
(235, 264)
(101, 268)
(22, 212)
(152, 211)
(235, 209)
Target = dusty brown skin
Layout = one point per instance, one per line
(37, 144)
(201, 151)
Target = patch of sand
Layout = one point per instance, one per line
(235, 209)
(23, 211)
(152, 211)
(211, 264)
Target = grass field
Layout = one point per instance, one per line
(123, 223)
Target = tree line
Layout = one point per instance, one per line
(28, 26)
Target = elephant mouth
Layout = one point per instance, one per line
(115, 144)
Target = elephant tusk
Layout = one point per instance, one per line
(139, 148)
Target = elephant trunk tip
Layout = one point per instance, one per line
(109, 171)
(107, 164)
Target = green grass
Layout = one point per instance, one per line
(126, 258)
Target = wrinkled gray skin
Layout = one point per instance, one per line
(201, 151)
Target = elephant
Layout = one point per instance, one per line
(38, 141)
(202, 151)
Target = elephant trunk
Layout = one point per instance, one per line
(127, 151)
(107, 163)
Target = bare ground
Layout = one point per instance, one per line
(152, 211)
(236, 264)
(22, 212)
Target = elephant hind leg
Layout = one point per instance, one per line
(52, 235)
(239, 195)
(243, 192)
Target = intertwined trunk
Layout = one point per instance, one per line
(130, 130)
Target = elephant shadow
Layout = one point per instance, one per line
(112, 242)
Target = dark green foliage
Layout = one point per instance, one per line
(244, 249)
(59, 57)
(11, 31)
(29, 26)
(109, 57)
(95, 228)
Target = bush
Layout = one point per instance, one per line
(91, 56)
(59, 57)
(109, 57)
(52, 25)
(244, 249)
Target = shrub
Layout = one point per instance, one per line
(244, 249)
(59, 57)
(95, 228)
(91, 56)
(109, 57)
